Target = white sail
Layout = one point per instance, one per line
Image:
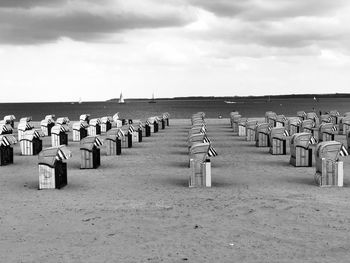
(121, 99)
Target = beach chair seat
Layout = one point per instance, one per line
(301, 115)
(52, 168)
(90, 156)
(31, 143)
(251, 130)
(326, 132)
(59, 135)
(200, 165)
(278, 140)
(6, 150)
(270, 117)
(300, 152)
(94, 127)
(106, 123)
(79, 130)
(113, 142)
(47, 123)
(262, 135)
(294, 125)
(281, 121)
(329, 170)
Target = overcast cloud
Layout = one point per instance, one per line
(177, 41)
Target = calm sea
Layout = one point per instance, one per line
(177, 108)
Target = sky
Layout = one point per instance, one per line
(64, 50)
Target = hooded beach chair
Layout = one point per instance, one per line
(125, 137)
(281, 121)
(242, 127)
(235, 121)
(79, 130)
(47, 123)
(31, 143)
(94, 127)
(270, 117)
(10, 119)
(59, 135)
(106, 123)
(90, 156)
(6, 150)
(113, 142)
(251, 130)
(300, 151)
(313, 116)
(63, 121)
(294, 125)
(165, 119)
(52, 168)
(84, 118)
(24, 125)
(335, 116)
(344, 125)
(197, 139)
(200, 164)
(326, 132)
(232, 114)
(278, 140)
(326, 118)
(329, 170)
(308, 126)
(152, 124)
(136, 133)
(5, 128)
(262, 135)
(301, 115)
(118, 122)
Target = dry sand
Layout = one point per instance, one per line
(137, 207)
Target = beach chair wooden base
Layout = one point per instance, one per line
(105, 127)
(200, 173)
(31, 147)
(235, 127)
(293, 129)
(302, 158)
(60, 139)
(326, 137)
(113, 147)
(250, 135)
(278, 147)
(126, 141)
(262, 140)
(332, 174)
(52, 177)
(94, 130)
(90, 159)
(6, 155)
(242, 131)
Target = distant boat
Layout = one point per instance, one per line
(121, 99)
(229, 102)
(152, 100)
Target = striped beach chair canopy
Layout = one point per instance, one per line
(90, 142)
(116, 117)
(115, 132)
(346, 114)
(31, 134)
(25, 119)
(263, 127)
(281, 118)
(9, 118)
(106, 119)
(95, 122)
(327, 127)
(326, 118)
(311, 116)
(62, 120)
(303, 139)
(271, 115)
(7, 140)
(50, 156)
(24, 126)
(5, 128)
(84, 117)
(330, 150)
(78, 125)
(295, 121)
(279, 132)
(334, 113)
(251, 124)
(151, 120)
(301, 114)
(166, 115)
(57, 129)
(309, 124)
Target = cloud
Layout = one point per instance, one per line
(29, 3)
(80, 20)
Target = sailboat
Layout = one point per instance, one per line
(152, 100)
(121, 99)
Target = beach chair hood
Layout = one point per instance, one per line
(90, 142)
(7, 140)
(49, 156)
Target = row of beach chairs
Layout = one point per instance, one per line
(200, 150)
(305, 133)
(52, 168)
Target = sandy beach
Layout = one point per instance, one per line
(137, 207)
